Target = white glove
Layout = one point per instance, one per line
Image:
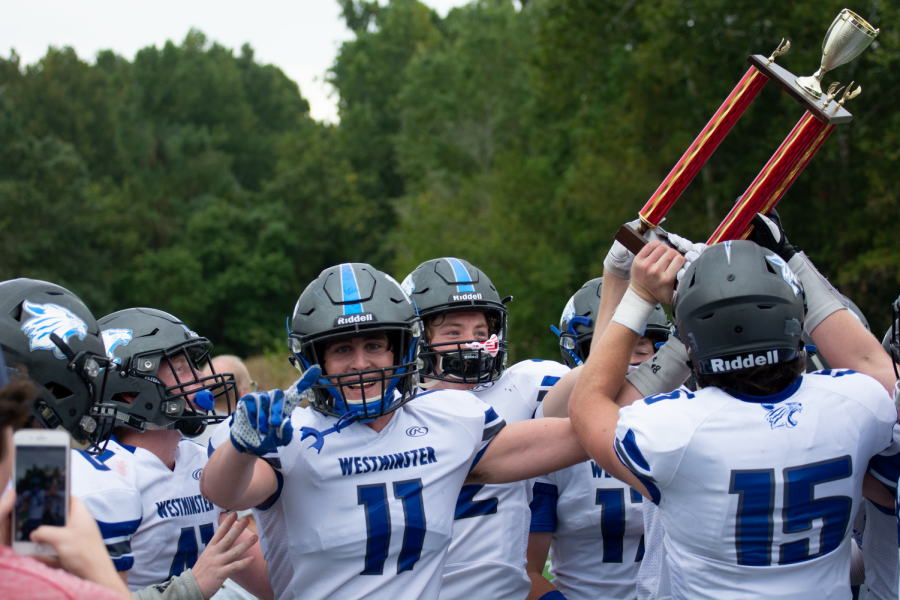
(690, 250)
(619, 258)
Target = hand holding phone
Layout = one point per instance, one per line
(41, 479)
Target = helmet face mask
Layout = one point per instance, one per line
(49, 336)
(157, 381)
(347, 303)
(444, 286)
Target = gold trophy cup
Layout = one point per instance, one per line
(847, 37)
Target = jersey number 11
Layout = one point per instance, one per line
(378, 524)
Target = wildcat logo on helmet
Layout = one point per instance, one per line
(786, 273)
(736, 362)
(408, 285)
(468, 296)
(354, 319)
(113, 338)
(47, 319)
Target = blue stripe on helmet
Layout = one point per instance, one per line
(462, 275)
(350, 290)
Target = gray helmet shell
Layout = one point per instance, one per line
(739, 306)
(141, 341)
(447, 285)
(69, 376)
(356, 298)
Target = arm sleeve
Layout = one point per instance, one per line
(651, 438)
(879, 548)
(113, 502)
(543, 506)
(181, 587)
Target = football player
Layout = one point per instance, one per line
(159, 394)
(590, 523)
(757, 474)
(336, 522)
(465, 348)
(48, 334)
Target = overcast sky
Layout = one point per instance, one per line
(300, 36)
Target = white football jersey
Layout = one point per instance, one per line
(113, 502)
(490, 533)
(176, 520)
(598, 531)
(340, 526)
(748, 482)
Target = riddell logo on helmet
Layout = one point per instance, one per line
(459, 297)
(354, 319)
(723, 365)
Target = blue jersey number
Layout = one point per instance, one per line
(612, 524)
(467, 506)
(754, 528)
(188, 550)
(378, 524)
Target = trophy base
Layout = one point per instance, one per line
(831, 115)
(810, 85)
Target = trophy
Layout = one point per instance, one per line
(847, 37)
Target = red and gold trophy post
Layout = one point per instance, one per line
(847, 37)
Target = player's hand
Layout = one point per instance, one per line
(654, 272)
(79, 547)
(768, 233)
(689, 249)
(222, 556)
(619, 259)
(262, 420)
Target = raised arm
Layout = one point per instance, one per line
(845, 343)
(592, 407)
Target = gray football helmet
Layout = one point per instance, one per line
(140, 342)
(740, 306)
(48, 335)
(448, 285)
(343, 301)
(579, 318)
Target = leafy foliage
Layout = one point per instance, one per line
(518, 136)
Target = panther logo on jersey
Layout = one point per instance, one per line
(49, 319)
(112, 338)
(782, 415)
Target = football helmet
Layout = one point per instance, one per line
(145, 347)
(355, 300)
(740, 306)
(48, 335)
(579, 318)
(448, 285)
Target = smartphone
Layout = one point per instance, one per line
(41, 478)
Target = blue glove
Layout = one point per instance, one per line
(262, 420)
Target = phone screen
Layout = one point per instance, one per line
(40, 488)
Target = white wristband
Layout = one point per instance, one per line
(633, 312)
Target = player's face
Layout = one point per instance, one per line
(643, 350)
(454, 328)
(355, 354)
(180, 374)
